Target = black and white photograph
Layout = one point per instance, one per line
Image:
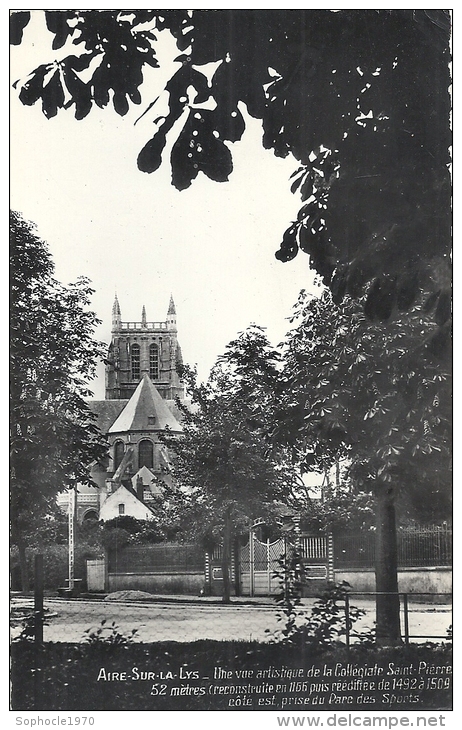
(231, 366)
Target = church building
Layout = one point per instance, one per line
(143, 348)
(142, 383)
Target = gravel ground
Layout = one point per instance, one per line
(182, 619)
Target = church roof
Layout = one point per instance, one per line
(147, 479)
(173, 406)
(106, 412)
(145, 411)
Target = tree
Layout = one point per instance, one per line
(337, 510)
(163, 526)
(53, 436)
(223, 463)
(379, 396)
(359, 98)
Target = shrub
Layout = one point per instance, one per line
(139, 532)
(115, 538)
(108, 636)
(27, 633)
(326, 623)
(55, 564)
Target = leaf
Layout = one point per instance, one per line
(296, 184)
(299, 169)
(120, 103)
(184, 170)
(289, 247)
(198, 150)
(79, 92)
(53, 96)
(56, 21)
(229, 124)
(150, 157)
(32, 90)
(18, 21)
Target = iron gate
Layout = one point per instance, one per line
(259, 561)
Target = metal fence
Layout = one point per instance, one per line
(161, 558)
(404, 600)
(313, 547)
(418, 547)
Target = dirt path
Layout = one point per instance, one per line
(181, 621)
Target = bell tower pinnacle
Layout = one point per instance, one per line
(171, 315)
(116, 316)
(143, 348)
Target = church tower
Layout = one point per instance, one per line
(143, 348)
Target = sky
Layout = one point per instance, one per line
(211, 246)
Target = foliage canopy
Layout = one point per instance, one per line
(359, 98)
(53, 355)
(223, 455)
(228, 474)
(375, 394)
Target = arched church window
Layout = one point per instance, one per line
(135, 362)
(118, 453)
(145, 454)
(153, 362)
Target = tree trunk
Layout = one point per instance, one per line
(17, 539)
(386, 569)
(237, 563)
(226, 559)
(23, 566)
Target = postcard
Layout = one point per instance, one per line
(231, 353)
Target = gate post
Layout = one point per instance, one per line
(286, 562)
(251, 564)
(237, 568)
(71, 535)
(296, 520)
(330, 558)
(347, 620)
(406, 618)
(207, 573)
